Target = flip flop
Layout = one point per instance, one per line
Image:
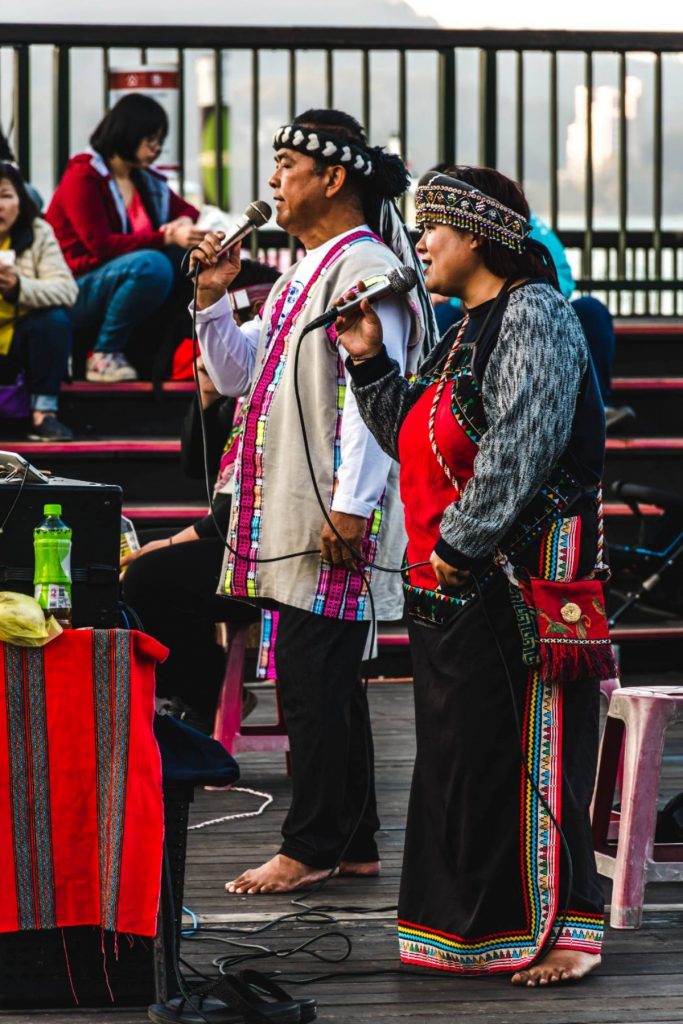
(263, 983)
(224, 1000)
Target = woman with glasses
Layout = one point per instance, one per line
(122, 230)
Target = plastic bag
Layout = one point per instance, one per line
(22, 621)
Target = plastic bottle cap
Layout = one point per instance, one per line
(52, 510)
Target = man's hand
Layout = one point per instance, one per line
(219, 274)
(9, 283)
(352, 529)
(207, 388)
(446, 574)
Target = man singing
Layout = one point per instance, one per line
(334, 193)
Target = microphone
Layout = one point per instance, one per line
(396, 282)
(256, 215)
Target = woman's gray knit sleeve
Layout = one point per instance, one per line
(383, 403)
(529, 390)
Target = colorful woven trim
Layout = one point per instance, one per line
(30, 786)
(560, 550)
(539, 856)
(441, 199)
(111, 665)
(581, 932)
(324, 146)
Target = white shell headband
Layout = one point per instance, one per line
(326, 147)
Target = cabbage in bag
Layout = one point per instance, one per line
(22, 621)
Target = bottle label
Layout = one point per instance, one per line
(129, 542)
(65, 560)
(53, 559)
(52, 596)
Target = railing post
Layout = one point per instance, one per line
(181, 120)
(255, 120)
(365, 88)
(519, 117)
(488, 108)
(623, 182)
(219, 140)
(22, 106)
(553, 142)
(657, 183)
(447, 106)
(587, 254)
(403, 114)
(62, 90)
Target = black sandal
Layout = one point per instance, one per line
(225, 1000)
(263, 983)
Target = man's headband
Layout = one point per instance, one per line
(441, 199)
(385, 173)
(326, 147)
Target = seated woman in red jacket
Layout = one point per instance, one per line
(120, 226)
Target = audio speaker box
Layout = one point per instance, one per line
(93, 512)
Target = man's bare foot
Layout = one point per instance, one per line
(559, 965)
(361, 869)
(280, 874)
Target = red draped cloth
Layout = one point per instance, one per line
(81, 805)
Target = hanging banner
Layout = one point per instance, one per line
(162, 83)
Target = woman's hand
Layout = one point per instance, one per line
(152, 545)
(218, 274)
(361, 330)
(189, 533)
(446, 574)
(9, 283)
(182, 232)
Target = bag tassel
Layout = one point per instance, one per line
(568, 661)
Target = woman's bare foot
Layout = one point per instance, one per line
(361, 869)
(280, 874)
(559, 965)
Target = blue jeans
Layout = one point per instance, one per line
(41, 346)
(119, 295)
(598, 327)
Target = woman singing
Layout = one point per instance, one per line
(500, 439)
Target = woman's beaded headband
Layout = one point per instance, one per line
(441, 199)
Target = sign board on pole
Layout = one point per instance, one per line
(161, 82)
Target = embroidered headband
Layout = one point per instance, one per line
(444, 200)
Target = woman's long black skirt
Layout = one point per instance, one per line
(486, 880)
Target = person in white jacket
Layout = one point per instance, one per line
(36, 289)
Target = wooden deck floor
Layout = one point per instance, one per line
(640, 981)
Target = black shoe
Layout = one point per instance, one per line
(262, 984)
(225, 1000)
(51, 429)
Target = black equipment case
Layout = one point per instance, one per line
(93, 511)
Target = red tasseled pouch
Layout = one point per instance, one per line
(573, 636)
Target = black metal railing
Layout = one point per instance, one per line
(495, 97)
